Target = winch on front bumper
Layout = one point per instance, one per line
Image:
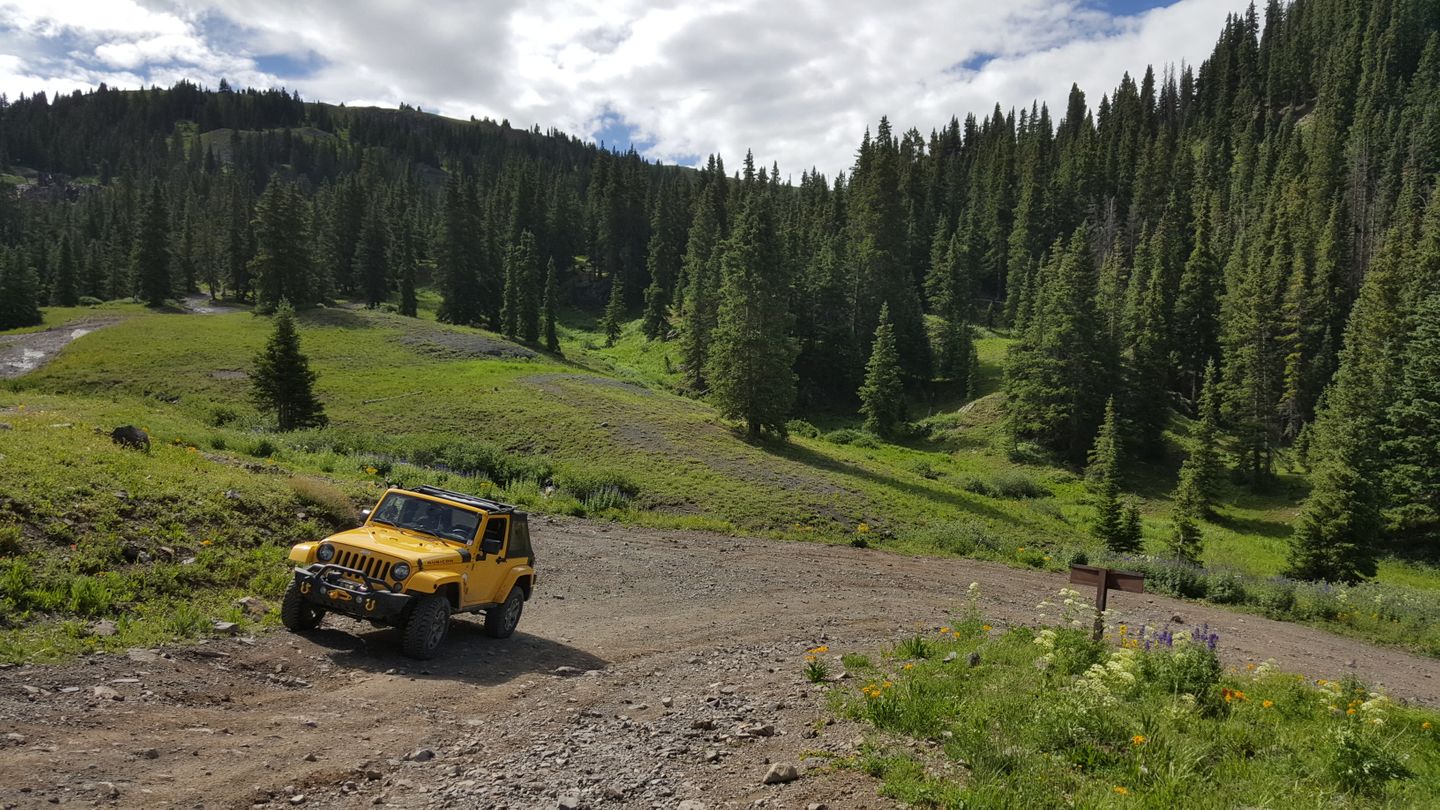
(349, 591)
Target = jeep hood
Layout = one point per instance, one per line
(389, 542)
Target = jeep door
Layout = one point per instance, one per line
(489, 567)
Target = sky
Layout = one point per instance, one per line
(796, 81)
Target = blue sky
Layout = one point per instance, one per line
(797, 82)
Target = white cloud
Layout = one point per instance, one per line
(797, 81)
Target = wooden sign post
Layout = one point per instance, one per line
(1105, 580)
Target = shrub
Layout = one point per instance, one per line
(1277, 598)
(324, 500)
(799, 427)
(1360, 762)
(587, 483)
(1226, 588)
(1073, 651)
(186, 620)
(1017, 486)
(851, 436)
(90, 301)
(222, 415)
(1187, 669)
(979, 487)
(262, 448)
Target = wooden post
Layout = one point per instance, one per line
(1105, 580)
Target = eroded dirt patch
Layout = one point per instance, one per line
(22, 354)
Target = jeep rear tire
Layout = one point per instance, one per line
(501, 620)
(426, 626)
(297, 614)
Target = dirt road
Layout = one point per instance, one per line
(651, 669)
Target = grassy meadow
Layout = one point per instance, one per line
(596, 430)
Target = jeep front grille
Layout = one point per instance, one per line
(370, 565)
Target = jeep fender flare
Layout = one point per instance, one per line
(435, 582)
(303, 553)
(524, 575)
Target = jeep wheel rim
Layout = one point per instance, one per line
(437, 632)
(512, 614)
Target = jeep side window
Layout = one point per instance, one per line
(493, 541)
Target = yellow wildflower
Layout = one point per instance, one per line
(1350, 711)
(985, 627)
(1267, 703)
(862, 528)
(1122, 790)
(371, 470)
(908, 666)
(1138, 739)
(207, 543)
(1425, 726)
(821, 649)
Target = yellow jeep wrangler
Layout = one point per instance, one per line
(421, 555)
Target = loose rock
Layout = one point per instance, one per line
(780, 773)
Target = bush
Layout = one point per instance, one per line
(1277, 598)
(1226, 589)
(979, 487)
(1074, 651)
(851, 436)
(585, 483)
(324, 500)
(1361, 763)
(90, 301)
(1017, 486)
(801, 428)
(1189, 669)
(89, 597)
(965, 539)
(1174, 578)
(222, 415)
(262, 448)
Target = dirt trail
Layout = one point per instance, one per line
(23, 353)
(652, 668)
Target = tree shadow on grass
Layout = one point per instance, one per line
(468, 655)
(1256, 526)
(337, 318)
(953, 500)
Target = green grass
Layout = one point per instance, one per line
(1050, 718)
(600, 430)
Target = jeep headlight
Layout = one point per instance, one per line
(400, 571)
(325, 553)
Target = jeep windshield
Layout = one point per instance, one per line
(414, 514)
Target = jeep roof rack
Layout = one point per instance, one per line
(469, 500)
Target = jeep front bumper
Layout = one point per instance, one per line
(348, 591)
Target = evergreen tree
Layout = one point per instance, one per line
(150, 255)
(614, 316)
(522, 289)
(19, 293)
(65, 291)
(752, 356)
(282, 382)
(882, 396)
(455, 257)
(1190, 506)
(1057, 371)
(1411, 447)
(1105, 473)
(403, 260)
(369, 270)
(1131, 539)
(654, 324)
(547, 314)
(281, 267)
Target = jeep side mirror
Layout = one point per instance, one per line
(492, 545)
(364, 514)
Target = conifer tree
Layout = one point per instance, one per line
(19, 292)
(547, 314)
(654, 324)
(1190, 506)
(281, 267)
(1131, 539)
(510, 297)
(524, 270)
(1205, 453)
(282, 382)
(700, 269)
(455, 257)
(750, 366)
(65, 291)
(882, 396)
(1411, 447)
(368, 269)
(150, 255)
(1105, 473)
(403, 260)
(614, 316)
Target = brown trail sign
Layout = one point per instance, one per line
(1105, 580)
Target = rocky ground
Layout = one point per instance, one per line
(652, 669)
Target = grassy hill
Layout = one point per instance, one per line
(598, 430)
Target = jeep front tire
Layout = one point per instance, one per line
(501, 620)
(426, 626)
(297, 614)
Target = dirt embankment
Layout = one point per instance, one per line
(651, 669)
